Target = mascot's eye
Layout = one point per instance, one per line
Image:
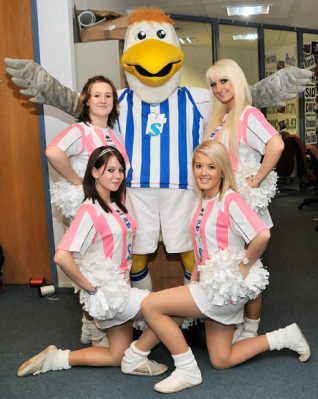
(141, 35)
(161, 34)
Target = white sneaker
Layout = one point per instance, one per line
(299, 343)
(175, 383)
(147, 368)
(36, 362)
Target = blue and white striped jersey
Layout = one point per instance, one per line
(160, 138)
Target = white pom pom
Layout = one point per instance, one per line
(221, 278)
(257, 198)
(67, 197)
(111, 296)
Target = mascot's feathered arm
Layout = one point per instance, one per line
(283, 85)
(38, 84)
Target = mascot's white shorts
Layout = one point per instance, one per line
(160, 208)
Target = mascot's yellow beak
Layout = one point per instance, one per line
(153, 62)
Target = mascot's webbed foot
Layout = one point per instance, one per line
(283, 85)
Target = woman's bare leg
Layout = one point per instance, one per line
(221, 351)
(119, 340)
(158, 309)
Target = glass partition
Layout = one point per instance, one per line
(241, 45)
(281, 52)
(196, 42)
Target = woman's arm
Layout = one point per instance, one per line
(254, 251)
(61, 163)
(273, 151)
(66, 261)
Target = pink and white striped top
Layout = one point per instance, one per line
(95, 231)
(219, 224)
(254, 131)
(79, 140)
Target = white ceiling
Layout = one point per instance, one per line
(295, 13)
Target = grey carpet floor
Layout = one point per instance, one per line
(30, 323)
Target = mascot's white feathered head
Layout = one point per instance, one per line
(152, 58)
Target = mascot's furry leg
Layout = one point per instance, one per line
(188, 261)
(139, 274)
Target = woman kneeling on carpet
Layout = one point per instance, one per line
(225, 278)
(95, 253)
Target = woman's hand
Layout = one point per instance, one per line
(244, 270)
(251, 182)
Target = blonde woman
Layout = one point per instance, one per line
(248, 138)
(225, 278)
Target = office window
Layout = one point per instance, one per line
(240, 44)
(281, 52)
(196, 42)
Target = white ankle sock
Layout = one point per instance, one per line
(134, 357)
(187, 367)
(286, 337)
(251, 324)
(57, 360)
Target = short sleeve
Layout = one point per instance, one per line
(243, 220)
(70, 140)
(81, 233)
(258, 130)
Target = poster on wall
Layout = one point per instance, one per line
(310, 51)
(284, 115)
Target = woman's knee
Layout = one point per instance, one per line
(147, 306)
(220, 362)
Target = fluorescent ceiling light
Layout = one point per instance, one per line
(186, 40)
(245, 11)
(245, 36)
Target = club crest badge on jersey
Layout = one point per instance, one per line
(155, 124)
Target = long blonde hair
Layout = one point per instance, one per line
(218, 154)
(228, 69)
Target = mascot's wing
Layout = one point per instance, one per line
(283, 85)
(38, 84)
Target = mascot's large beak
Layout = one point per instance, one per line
(153, 62)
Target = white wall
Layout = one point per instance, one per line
(57, 57)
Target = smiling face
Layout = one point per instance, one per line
(223, 91)
(207, 175)
(108, 179)
(100, 103)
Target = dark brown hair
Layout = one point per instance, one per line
(83, 108)
(99, 159)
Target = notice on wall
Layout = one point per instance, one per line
(283, 116)
(310, 51)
